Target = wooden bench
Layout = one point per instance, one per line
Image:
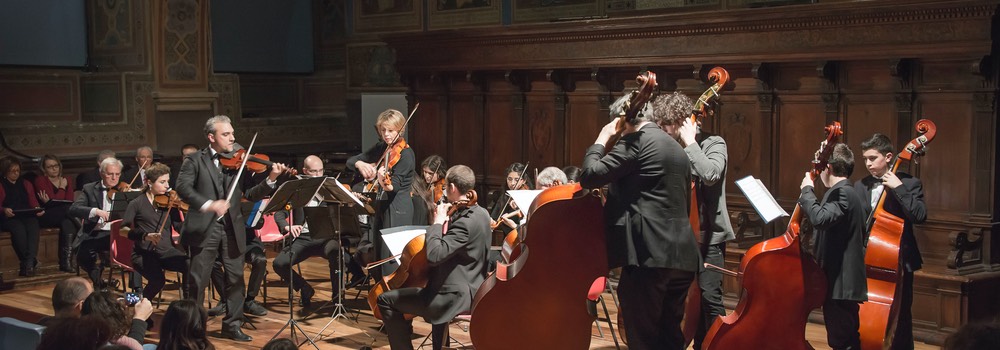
(48, 261)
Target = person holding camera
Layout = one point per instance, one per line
(125, 331)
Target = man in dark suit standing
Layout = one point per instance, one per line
(648, 231)
(93, 207)
(839, 220)
(458, 265)
(204, 185)
(905, 200)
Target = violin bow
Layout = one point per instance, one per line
(232, 188)
(141, 166)
(385, 155)
(512, 198)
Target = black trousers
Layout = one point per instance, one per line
(903, 339)
(710, 283)
(842, 322)
(394, 304)
(87, 254)
(220, 241)
(152, 265)
(24, 238)
(652, 306)
(303, 248)
(257, 260)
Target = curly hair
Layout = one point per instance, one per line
(106, 306)
(670, 109)
(156, 170)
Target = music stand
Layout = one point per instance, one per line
(334, 193)
(120, 201)
(295, 193)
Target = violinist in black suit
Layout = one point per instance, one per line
(93, 206)
(458, 266)
(648, 231)
(905, 200)
(839, 220)
(204, 185)
(143, 159)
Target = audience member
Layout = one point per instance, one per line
(184, 327)
(974, 336)
(67, 298)
(53, 186)
(71, 333)
(280, 344)
(125, 330)
(94, 175)
(17, 196)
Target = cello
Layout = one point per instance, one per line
(780, 285)
(879, 314)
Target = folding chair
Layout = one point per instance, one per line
(594, 296)
(121, 255)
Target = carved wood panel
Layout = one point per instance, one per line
(544, 123)
(504, 122)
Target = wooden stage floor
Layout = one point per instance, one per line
(27, 304)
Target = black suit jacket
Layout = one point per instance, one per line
(458, 261)
(840, 246)
(905, 202)
(128, 175)
(89, 198)
(646, 211)
(200, 181)
(87, 177)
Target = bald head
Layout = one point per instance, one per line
(69, 294)
(312, 166)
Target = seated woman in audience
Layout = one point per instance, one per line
(125, 330)
(49, 186)
(154, 248)
(16, 194)
(71, 333)
(184, 327)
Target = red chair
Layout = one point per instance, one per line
(595, 296)
(121, 254)
(269, 233)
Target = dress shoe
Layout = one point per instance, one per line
(306, 298)
(236, 335)
(219, 309)
(253, 308)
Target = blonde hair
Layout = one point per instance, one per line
(390, 118)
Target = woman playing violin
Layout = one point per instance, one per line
(428, 189)
(151, 218)
(505, 215)
(390, 166)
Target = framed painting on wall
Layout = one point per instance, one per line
(463, 13)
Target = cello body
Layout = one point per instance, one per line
(538, 299)
(780, 286)
(413, 271)
(881, 312)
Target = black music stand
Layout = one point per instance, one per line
(120, 201)
(295, 193)
(339, 197)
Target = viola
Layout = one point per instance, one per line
(256, 163)
(880, 313)
(630, 110)
(779, 285)
(536, 299)
(413, 270)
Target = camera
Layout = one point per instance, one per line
(132, 298)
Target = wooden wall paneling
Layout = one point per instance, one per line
(428, 129)
(586, 113)
(545, 121)
(800, 118)
(32, 98)
(504, 123)
(466, 140)
(948, 161)
(101, 97)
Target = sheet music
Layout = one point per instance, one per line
(400, 236)
(761, 199)
(523, 199)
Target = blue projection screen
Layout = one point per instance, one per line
(43, 33)
(262, 36)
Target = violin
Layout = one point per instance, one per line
(437, 191)
(413, 270)
(630, 110)
(256, 163)
(169, 201)
(120, 187)
(510, 202)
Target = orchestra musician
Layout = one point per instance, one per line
(143, 159)
(428, 189)
(304, 245)
(204, 185)
(648, 231)
(93, 206)
(392, 174)
(458, 266)
(505, 215)
(154, 249)
(839, 220)
(708, 155)
(905, 201)
(550, 176)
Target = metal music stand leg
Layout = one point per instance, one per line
(291, 323)
(339, 311)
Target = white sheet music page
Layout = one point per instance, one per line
(761, 199)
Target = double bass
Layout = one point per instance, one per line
(780, 285)
(879, 314)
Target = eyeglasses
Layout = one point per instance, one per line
(52, 166)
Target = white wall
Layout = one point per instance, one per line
(371, 106)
